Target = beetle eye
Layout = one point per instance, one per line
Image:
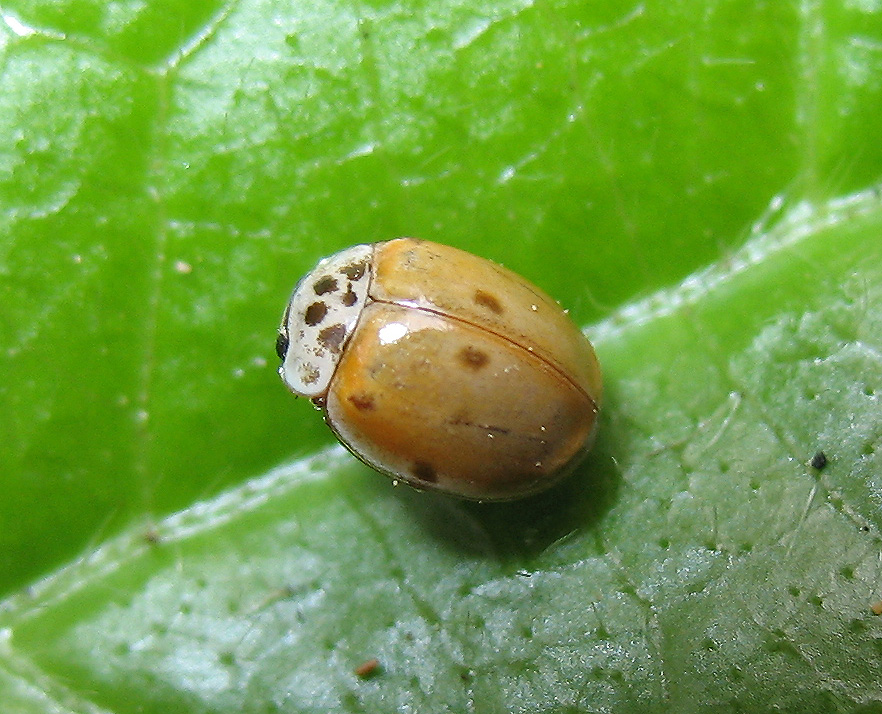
(282, 346)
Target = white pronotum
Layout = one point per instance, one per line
(320, 318)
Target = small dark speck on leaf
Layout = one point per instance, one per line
(367, 668)
(818, 461)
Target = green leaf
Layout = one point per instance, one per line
(699, 183)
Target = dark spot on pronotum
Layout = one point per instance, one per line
(324, 285)
(282, 345)
(818, 461)
(362, 401)
(315, 313)
(489, 301)
(310, 373)
(355, 271)
(423, 471)
(349, 297)
(332, 337)
(473, 358)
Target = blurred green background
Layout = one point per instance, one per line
(697, 182)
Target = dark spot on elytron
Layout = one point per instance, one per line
(355, 271)
(282, 345)
(463, 419)
(473, 358)
(495, 429)
(424, 472)
(326, 284)
(332, 337)
(315, 313)
(363, 401)
(349, 297)
(489, 301)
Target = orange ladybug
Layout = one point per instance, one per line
(442, 369)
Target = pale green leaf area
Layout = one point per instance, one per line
(697, 182)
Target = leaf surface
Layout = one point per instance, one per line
(698, 183)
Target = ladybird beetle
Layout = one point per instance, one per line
(442, 369)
